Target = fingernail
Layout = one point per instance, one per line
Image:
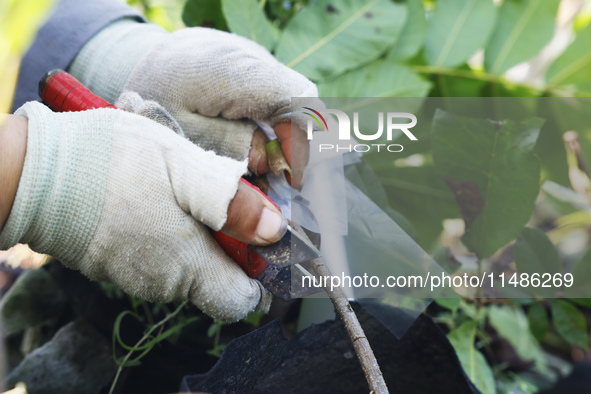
(271, 227)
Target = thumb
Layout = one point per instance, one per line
(253, 219)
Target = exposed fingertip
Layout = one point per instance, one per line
(271, 228)
(283, 130)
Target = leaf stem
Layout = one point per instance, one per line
(145, 337)
(454, 72)
(480, 76)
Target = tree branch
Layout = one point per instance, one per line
(367, 359)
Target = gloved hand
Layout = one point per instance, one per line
(202, 77)
(122, 198)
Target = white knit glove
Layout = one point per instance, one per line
(122, 198)
(201, 76)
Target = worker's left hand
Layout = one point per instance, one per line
(122, 198)
(202, 76)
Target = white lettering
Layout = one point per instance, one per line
(364, 137)
(404, 126)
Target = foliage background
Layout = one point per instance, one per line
(443, 48)
(19, 21)
(458, 48)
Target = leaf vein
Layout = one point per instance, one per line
(331, 35)
(454, 33)
(529, 11)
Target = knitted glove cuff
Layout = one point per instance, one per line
(107, 60)
(63, 183)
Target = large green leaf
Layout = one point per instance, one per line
(246, 18)
(382, 78)
(586, 302)
(452, 86)
(511, 323)
(538, 321)
(422, 197)
(565, 113)
(523, 28)
(473, 362)
(450, 303)
(535, 253)
(570, 323)
(537, 256)
(493, 173)
(581, 275)
(329, 37)
(204, 13)
(362, 176)
(574, 65)
(413, 33)
(553, 158)
(457, 30)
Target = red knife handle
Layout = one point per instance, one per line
(64, 93)
(248, 259)
(251, 263)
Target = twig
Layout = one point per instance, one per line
(367, 359)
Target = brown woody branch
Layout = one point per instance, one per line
(367, 359)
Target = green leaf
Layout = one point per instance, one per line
(452, 86)
(511, 323)
(566, 113)
(574, 65)
(217, 351)
(535, 253)
(212, 330)
(362, 176)
(247, 19)
(413, 33)
(493, 172)
(19, 22)
(523, 28)
(450, 303)
(473, 362)
(329, 37)
(586, 302)
(581, 274)
(457, 30)
(570, 323)
(538, 321)
(253, 318)
(206, 13)
(129, 363)
(422, 197)
(382, 78)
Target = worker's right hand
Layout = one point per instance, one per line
(203, 76)
(122, 198)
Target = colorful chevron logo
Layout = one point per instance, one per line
(316, 119)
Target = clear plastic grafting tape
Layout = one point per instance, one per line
(498, 187)
(361, 243)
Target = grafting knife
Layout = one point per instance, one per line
(278, 266)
